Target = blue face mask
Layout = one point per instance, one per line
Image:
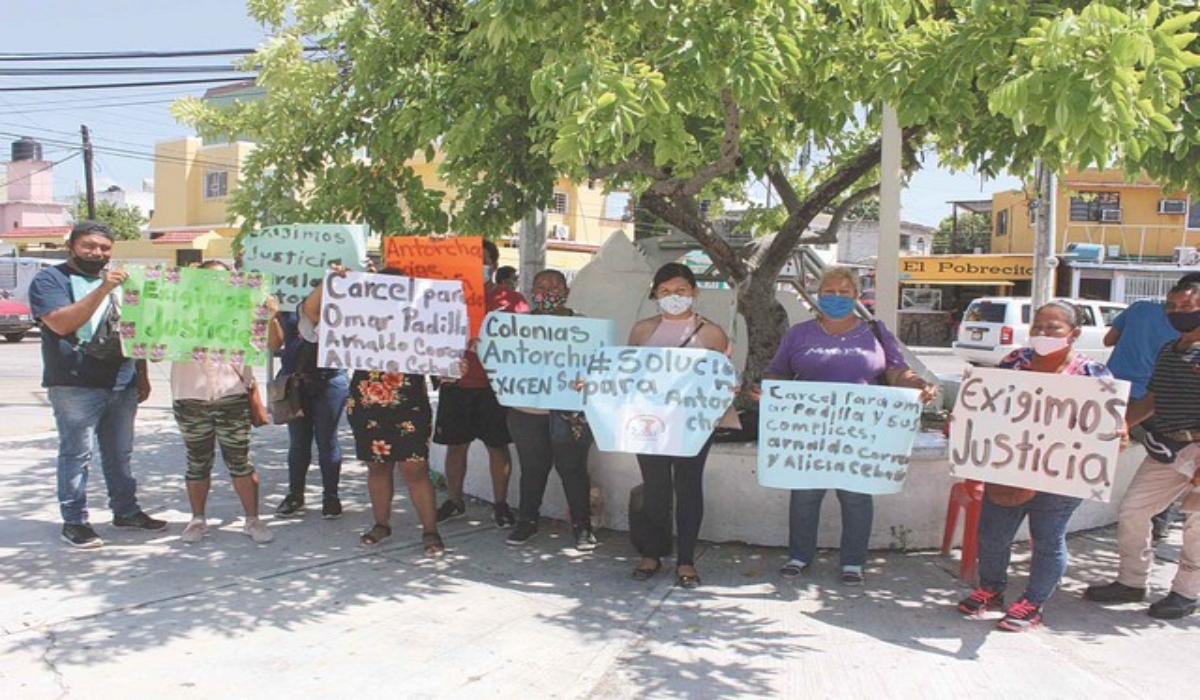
(835, 306)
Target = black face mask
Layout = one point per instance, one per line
(1184, 321)
(91, 268)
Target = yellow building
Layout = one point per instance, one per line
(1135, 221)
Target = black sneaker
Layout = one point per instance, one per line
(291, 507)
(1172, 607)
(504, 516)
(139, 521)
(981, 601)
(524, 531)
(585, 539)
(450, 510)
(1114, 592)
(81, 536)
(331, 508)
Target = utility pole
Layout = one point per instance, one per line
(1044, 262)
(532, 248)
(87, 172)
(887, 265)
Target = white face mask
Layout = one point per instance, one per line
(1045, 345)
(675, 304)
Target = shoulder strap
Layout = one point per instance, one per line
(695, 330)
(875, 330)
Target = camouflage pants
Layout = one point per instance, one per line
(225, 421)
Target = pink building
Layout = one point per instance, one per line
(30, 191)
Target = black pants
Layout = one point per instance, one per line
(683, 479)
(538, 455)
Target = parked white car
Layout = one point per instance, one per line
(992, 327)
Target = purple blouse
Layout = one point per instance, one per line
(808, 353)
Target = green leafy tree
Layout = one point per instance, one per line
(973, 231)
(680, 100)
(126, 222)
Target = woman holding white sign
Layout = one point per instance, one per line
(390, 416)
(1055, 327)
(838, 346)
(678, 326)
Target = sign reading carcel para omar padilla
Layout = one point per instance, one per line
(966, 268)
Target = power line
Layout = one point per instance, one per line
(39, 170)
(107, 86)
(121, 55)
(118, 70)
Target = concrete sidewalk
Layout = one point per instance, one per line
(315, 615)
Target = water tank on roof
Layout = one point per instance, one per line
(26, 148)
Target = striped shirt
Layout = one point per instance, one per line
(1176, 387)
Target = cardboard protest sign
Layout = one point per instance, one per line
(1049, 432)
(533, 361)
(454, 258)
(388, 323)
(297, 256)
(188, 314)
(826, 435)
(662, 401)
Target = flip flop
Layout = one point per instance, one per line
(645, 574)
(434, 547)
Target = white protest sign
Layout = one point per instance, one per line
(389, 323)
(662, 401)
(534, 360)
(1048, 432)
(297, 255)
(822, 435)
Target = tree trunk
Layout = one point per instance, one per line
(766, 322)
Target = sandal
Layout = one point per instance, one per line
(688, 581)
(642, 573)
(432, 542)
(375, 535)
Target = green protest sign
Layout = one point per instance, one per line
(296, 256)
(188, 314)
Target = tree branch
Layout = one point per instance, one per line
(640, 165)
(839, 214)
(783, 186)
(682, 212)
(728, 160)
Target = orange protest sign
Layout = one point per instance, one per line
(453, 258)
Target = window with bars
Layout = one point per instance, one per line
(216, 184)
(1193, 214)
(1090, 206)
(559, 205)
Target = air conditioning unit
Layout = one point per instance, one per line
(1086, 252)
(1110, 216)
(1172, 206)
(560, 232)
(1114, 251)
(1185, 255)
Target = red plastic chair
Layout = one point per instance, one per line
(967, 496)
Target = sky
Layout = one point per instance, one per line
(126, 123)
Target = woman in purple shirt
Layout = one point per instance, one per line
(838, 346)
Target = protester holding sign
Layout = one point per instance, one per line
(1052, 335)
(212, 406)
(468, 411)
(391, 418)
(323, 394)
(666, 478)
(548, 439)
(93, 391)
(838, 346)
(1171, 397)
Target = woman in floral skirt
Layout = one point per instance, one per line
(392, 422)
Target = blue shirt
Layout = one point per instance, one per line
(1144, 330)
(63, 363)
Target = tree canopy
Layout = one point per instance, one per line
(682, 100)
(126, 222)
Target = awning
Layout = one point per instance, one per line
(962, 283)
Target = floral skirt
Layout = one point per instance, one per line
(390, 416)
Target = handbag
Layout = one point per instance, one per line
(284, 394)
(258, 412)
(105, 343)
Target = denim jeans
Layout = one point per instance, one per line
(84, 414)
(804, 517)
(538, 454)
(1048, 516)
(324, 401)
